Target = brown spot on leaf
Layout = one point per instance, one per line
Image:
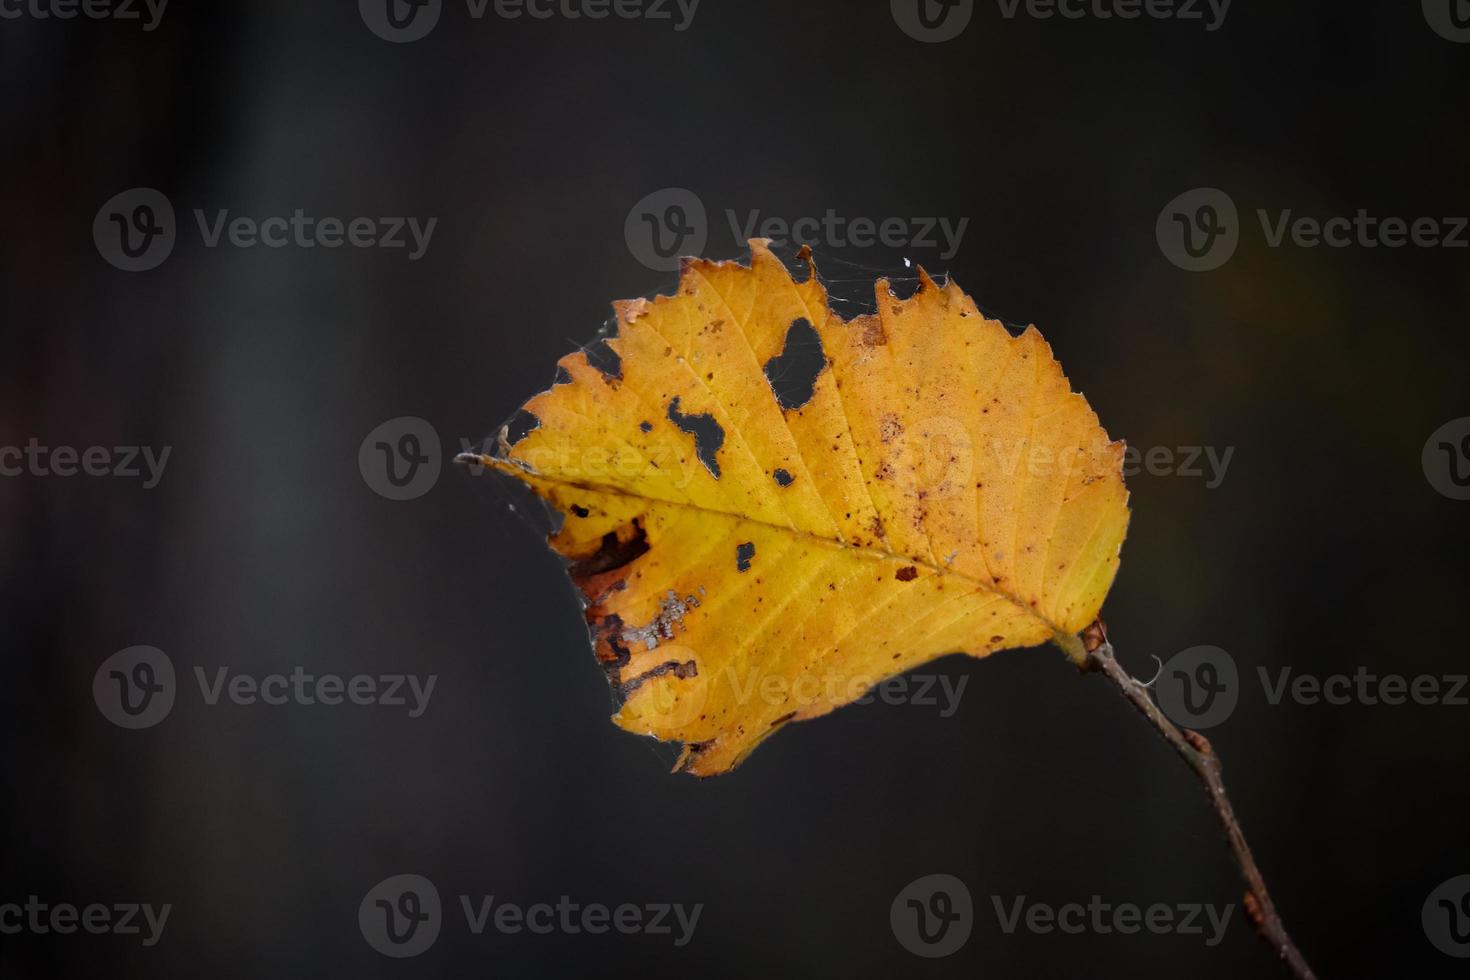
(610, 650)
(889, 427)
(680, 669)
(872, 332)
(614, 552)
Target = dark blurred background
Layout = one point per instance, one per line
(1326, 546)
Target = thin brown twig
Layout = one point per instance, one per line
(1096, 654)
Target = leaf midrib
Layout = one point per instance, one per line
(514, 469)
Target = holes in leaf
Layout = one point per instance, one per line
(793, 372)
(605, 359)
(708, 435)
(520, 425)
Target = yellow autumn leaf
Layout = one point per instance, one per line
(758, 546)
